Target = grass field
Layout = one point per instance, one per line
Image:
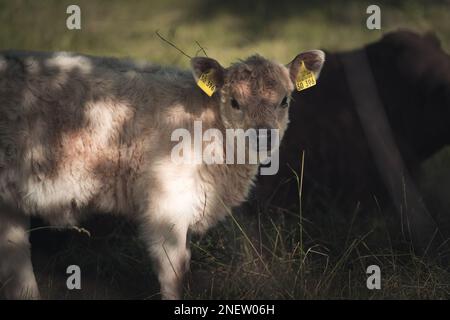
(229, 30)
(278, 254)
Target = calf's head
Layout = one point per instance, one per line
(255, 93)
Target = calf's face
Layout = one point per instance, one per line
(255, 93)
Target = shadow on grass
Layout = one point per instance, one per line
(254, 255)
(113, 261)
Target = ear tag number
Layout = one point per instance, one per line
(206, 83)
(305, 78)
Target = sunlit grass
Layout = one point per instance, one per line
(115, 28)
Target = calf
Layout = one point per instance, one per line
(80, 134)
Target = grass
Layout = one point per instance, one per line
(228, 30)
(280, 253)
(257, 255)
(302, 251)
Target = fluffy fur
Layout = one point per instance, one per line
(80, 134)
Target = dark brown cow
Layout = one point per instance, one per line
(411, 74)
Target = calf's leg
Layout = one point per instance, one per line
(17, 280)
(168, 246)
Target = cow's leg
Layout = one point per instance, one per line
(17, 280)
(168, 246)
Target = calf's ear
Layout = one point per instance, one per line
(207, 66)
(313, 60)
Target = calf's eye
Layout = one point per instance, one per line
(285, 102)
(234, 104)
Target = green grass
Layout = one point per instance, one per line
(228, 31)
(258, 255)
(279, 254)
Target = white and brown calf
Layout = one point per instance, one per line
(80, 134)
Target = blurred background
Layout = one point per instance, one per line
(228, 30)
(328, 262)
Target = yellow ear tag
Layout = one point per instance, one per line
(206, 83)
(305, 78)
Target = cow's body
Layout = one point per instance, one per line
(411, 74)
(80, 134)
